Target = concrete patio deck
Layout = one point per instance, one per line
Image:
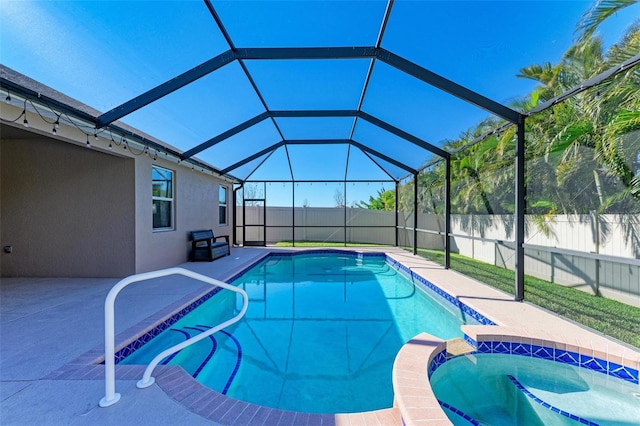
(48, 324)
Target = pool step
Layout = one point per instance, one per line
(459, 346)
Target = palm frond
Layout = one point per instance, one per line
(591, 20)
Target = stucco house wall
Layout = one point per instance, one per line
(66, 211)
(195, 207)
(72, 205)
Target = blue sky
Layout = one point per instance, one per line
(104, 53)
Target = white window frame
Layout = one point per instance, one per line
(171, 199)
(223, 219)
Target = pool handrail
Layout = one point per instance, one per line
(111, 397)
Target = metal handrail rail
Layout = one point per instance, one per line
(111, 397)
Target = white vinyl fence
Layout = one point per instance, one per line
(599, 254)
(324, 224)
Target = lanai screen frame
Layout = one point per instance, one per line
(293, 225)
(374, 53)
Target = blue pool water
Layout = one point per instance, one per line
(320, 335)
(503, 389)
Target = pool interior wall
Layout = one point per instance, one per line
(498, 346)
(449, 301)
(414, 400)
(360, 363)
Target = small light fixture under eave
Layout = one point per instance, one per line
(25, 122)
(54, 131)
(8, 98)
(88, 145)
(56, 125)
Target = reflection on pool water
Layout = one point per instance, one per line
(320, 335)
(503, 389)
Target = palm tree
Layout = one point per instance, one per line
(603, 9)
(624, 94)
(581, 153)
(385, 200)
(587, 138)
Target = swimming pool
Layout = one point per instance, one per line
(320, 335)
(503, 389)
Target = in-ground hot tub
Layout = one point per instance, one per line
(511, 382)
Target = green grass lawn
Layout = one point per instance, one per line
(608, 316)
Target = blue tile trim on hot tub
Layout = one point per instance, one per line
(460, 413)
(622, 372)
(545, 404)
(551, 354)
(470, 341)
(439, 359)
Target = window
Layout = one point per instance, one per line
(222, 206)
(162, 195)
